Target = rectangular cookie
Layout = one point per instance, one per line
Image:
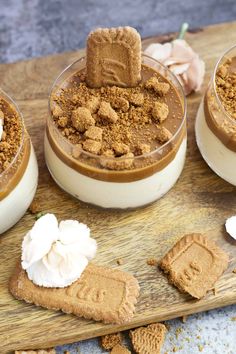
(113, 57)
(101, 294)
(194, 264)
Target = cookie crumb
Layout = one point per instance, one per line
(120, 261)
(92, 146)
(118, 163)
(107, 113)
(137, 99)
(120, 349)
(94, 133)
(163, 135)
(82, 119)
(57, 111)
(109, 341)
(34, 207)
(120, 149)
(143, 148)
(120, 104)
(184, 318)
(152, 262)
(62, 121)
(160, 112)
(93, 104)
(159, 87)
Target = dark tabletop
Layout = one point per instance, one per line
(30, 28)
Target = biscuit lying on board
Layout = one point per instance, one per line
(148, 340)
(119, 349)
(101, 294)
(194, 264)
(113, 57)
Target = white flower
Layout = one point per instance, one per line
(55, 255)
(180, 58)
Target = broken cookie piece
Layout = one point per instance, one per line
(163, 135)
(148, 340)
(136, 99)
(39, 351)
(159, 87)
(94, 133)
(120, 104)
(160, 112)
(194, 264)
(82, 119)
(107, 113)
(57, 111)
(93, 104)
(120, 349)
(143, 148)
(62, 122)
(120, 148)
(92, 146)
(109, 341)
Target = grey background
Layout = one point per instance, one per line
(30, 28)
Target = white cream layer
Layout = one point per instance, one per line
(113, 194)
(15, 204)
(218, 157)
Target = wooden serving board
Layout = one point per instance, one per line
(199, 202)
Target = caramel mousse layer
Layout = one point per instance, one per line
(112, 133)
(14, 149)
(222, 122)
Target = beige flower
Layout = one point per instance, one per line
(180, 58)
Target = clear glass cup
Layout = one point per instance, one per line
(216, 129)
(87, 176)
(18, 182)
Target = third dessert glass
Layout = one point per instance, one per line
(129, 163)
(216, 119)
(18, 165)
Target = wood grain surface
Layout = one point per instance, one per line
(199, 202)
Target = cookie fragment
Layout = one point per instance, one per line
(92, 146)
(137, 99)
(163, 135)
(62, 121)
(109, 341)
(57, 111)
(148, 340)
(120, 103)
(40, 351)
(159, 87)
(120, 149)
(82, 119)
(107, 113)
(194, 264)
(94, 133)
(93, 104)
(101, 294)
(120, 349)
(143, 148)
(160, 112)
(113, 57)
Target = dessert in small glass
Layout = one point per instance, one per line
(18, 165)
(216, 119)
(113, 146)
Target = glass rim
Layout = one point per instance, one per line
(214, 83)
(123, 158)
(16, 107)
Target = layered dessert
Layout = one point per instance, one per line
(216, 119)
(116, 145)
(18, 166)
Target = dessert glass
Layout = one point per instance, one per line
(216, 130)
(84, 176)
(18, 182)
